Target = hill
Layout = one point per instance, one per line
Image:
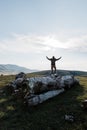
(13, 69)
(63, 72)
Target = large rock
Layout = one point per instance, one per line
(19, 84)
(41, 84)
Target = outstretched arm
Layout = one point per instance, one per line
(59, 58)
(48, 58)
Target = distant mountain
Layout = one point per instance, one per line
(13, 69)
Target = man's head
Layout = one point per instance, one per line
(53, 57)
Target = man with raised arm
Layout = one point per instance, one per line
(53, 65)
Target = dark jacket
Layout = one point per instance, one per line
(53, 60)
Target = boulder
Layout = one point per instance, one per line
(34, 100)
(46, 83)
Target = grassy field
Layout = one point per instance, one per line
(14, 115)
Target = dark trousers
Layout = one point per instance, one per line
(53, 67)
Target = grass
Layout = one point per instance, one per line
(14, 115)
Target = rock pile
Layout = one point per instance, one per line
(35, 90)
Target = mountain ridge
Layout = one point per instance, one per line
(14, 69)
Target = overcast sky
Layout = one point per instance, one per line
(30, 30)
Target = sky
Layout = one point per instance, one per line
(30, 30)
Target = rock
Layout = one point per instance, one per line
(41, 84)
(37, 99)
(21, 75)
(69, 118)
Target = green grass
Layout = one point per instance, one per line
(46, 116)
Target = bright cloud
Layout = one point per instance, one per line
(34, 43)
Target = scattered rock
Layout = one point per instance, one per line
(69, 118)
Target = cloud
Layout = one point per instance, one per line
(37, 44)
(24, 44)
(78, 43)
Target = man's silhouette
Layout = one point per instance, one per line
(53, 65)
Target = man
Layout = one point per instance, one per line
(53, 65)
